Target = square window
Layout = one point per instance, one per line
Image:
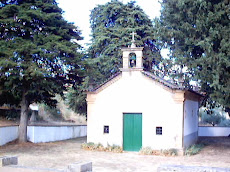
(106, 129)
(158, 130)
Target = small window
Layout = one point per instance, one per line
(158, 130)
(106, 129)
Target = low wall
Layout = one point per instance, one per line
(38, 134)
(214, 131)
(8, 134)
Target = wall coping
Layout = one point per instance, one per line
(45, 125)
(54, 125)
(13, 125)
(214, 126)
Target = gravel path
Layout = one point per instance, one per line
(58, 155)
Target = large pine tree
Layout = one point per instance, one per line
(197, 32)
(111, 26)
(38, 54)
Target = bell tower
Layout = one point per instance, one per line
(132, 56)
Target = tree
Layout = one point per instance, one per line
(111, 26)
(213, 119)
(38, 53)
(197, 32)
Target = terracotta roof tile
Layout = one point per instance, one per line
(106, 81)
(152, 76)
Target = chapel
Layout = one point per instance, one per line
(136, 109)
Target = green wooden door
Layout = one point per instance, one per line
(132, 132)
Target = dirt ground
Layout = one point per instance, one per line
(58, 155)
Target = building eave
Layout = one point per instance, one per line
(109, 81)
(166, 83)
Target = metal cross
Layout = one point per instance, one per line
(133, 33)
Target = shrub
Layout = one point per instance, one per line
(194, 149)
(169, 152)
(146, 151)
(116, 148)
(100, 147)
(87, 146)
(165, 152)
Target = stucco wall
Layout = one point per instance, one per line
(37, 134)
(8, 134)
(190, 122)
(214, 131)
(135, 93)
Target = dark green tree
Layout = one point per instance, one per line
(111, 26)
(197, 32)
(38, 54)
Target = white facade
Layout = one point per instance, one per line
(8, 134)
(135, 91)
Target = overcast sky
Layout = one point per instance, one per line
(78, 11)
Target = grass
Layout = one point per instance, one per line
(194, 149)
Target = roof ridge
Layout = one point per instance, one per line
(163, 81)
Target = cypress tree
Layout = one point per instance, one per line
(38, 54)
(197, 32)
(111, 26)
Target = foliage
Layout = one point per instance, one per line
(10, 114)
(52, 111)
(76, 100)
(213, 114)
(197, 33)
(213, 119)
(99, 147)
(146, 151)
(225, 123)
(170, 152)
(194, 149)
(38, 52)
(111, 26)
(165, 152)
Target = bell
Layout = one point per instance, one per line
(133, 57)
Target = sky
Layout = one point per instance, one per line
(78, 11)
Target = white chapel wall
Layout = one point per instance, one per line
(190, 122)
(136, 93)
(161, 111)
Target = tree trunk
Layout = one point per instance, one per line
(23, 120)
